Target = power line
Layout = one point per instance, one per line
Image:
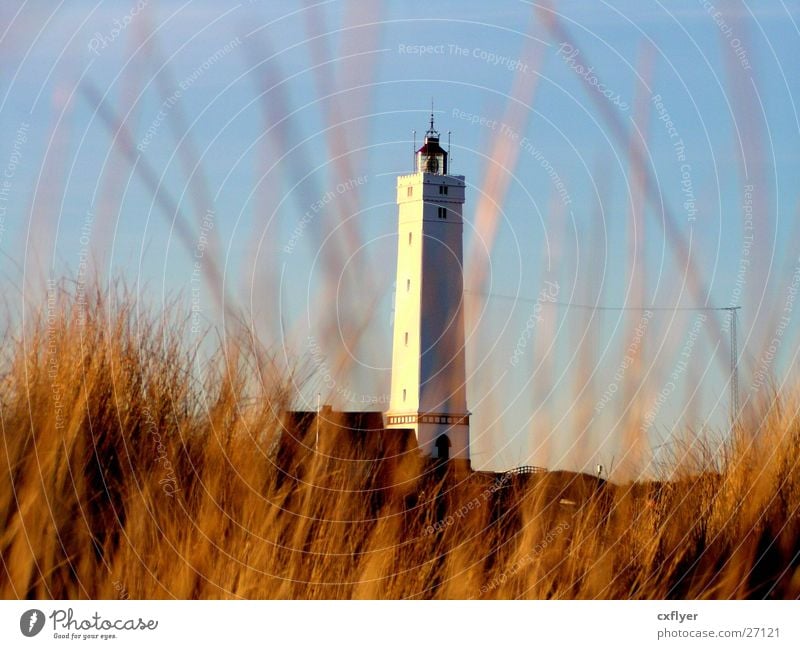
(598, 307)
(601, 307)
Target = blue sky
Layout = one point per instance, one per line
(305, 99)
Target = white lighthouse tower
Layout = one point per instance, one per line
(428, 393)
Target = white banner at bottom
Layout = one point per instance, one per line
(388, 624)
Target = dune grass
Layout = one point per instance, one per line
(128, 468)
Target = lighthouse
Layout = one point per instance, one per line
(428, 387)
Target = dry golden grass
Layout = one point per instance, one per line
(129, 471)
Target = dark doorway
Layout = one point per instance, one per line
(443, 447)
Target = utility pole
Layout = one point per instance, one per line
(734, 346)
(316, 438)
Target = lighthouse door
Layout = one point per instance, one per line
(443, 447)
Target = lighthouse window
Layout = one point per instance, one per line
(408, 285)
(406, 339)
(404, 394)
(442, 212)
(410, 191)
(443, 189)
(409, 238)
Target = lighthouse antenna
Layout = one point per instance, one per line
(414, 152)
(449, 155)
